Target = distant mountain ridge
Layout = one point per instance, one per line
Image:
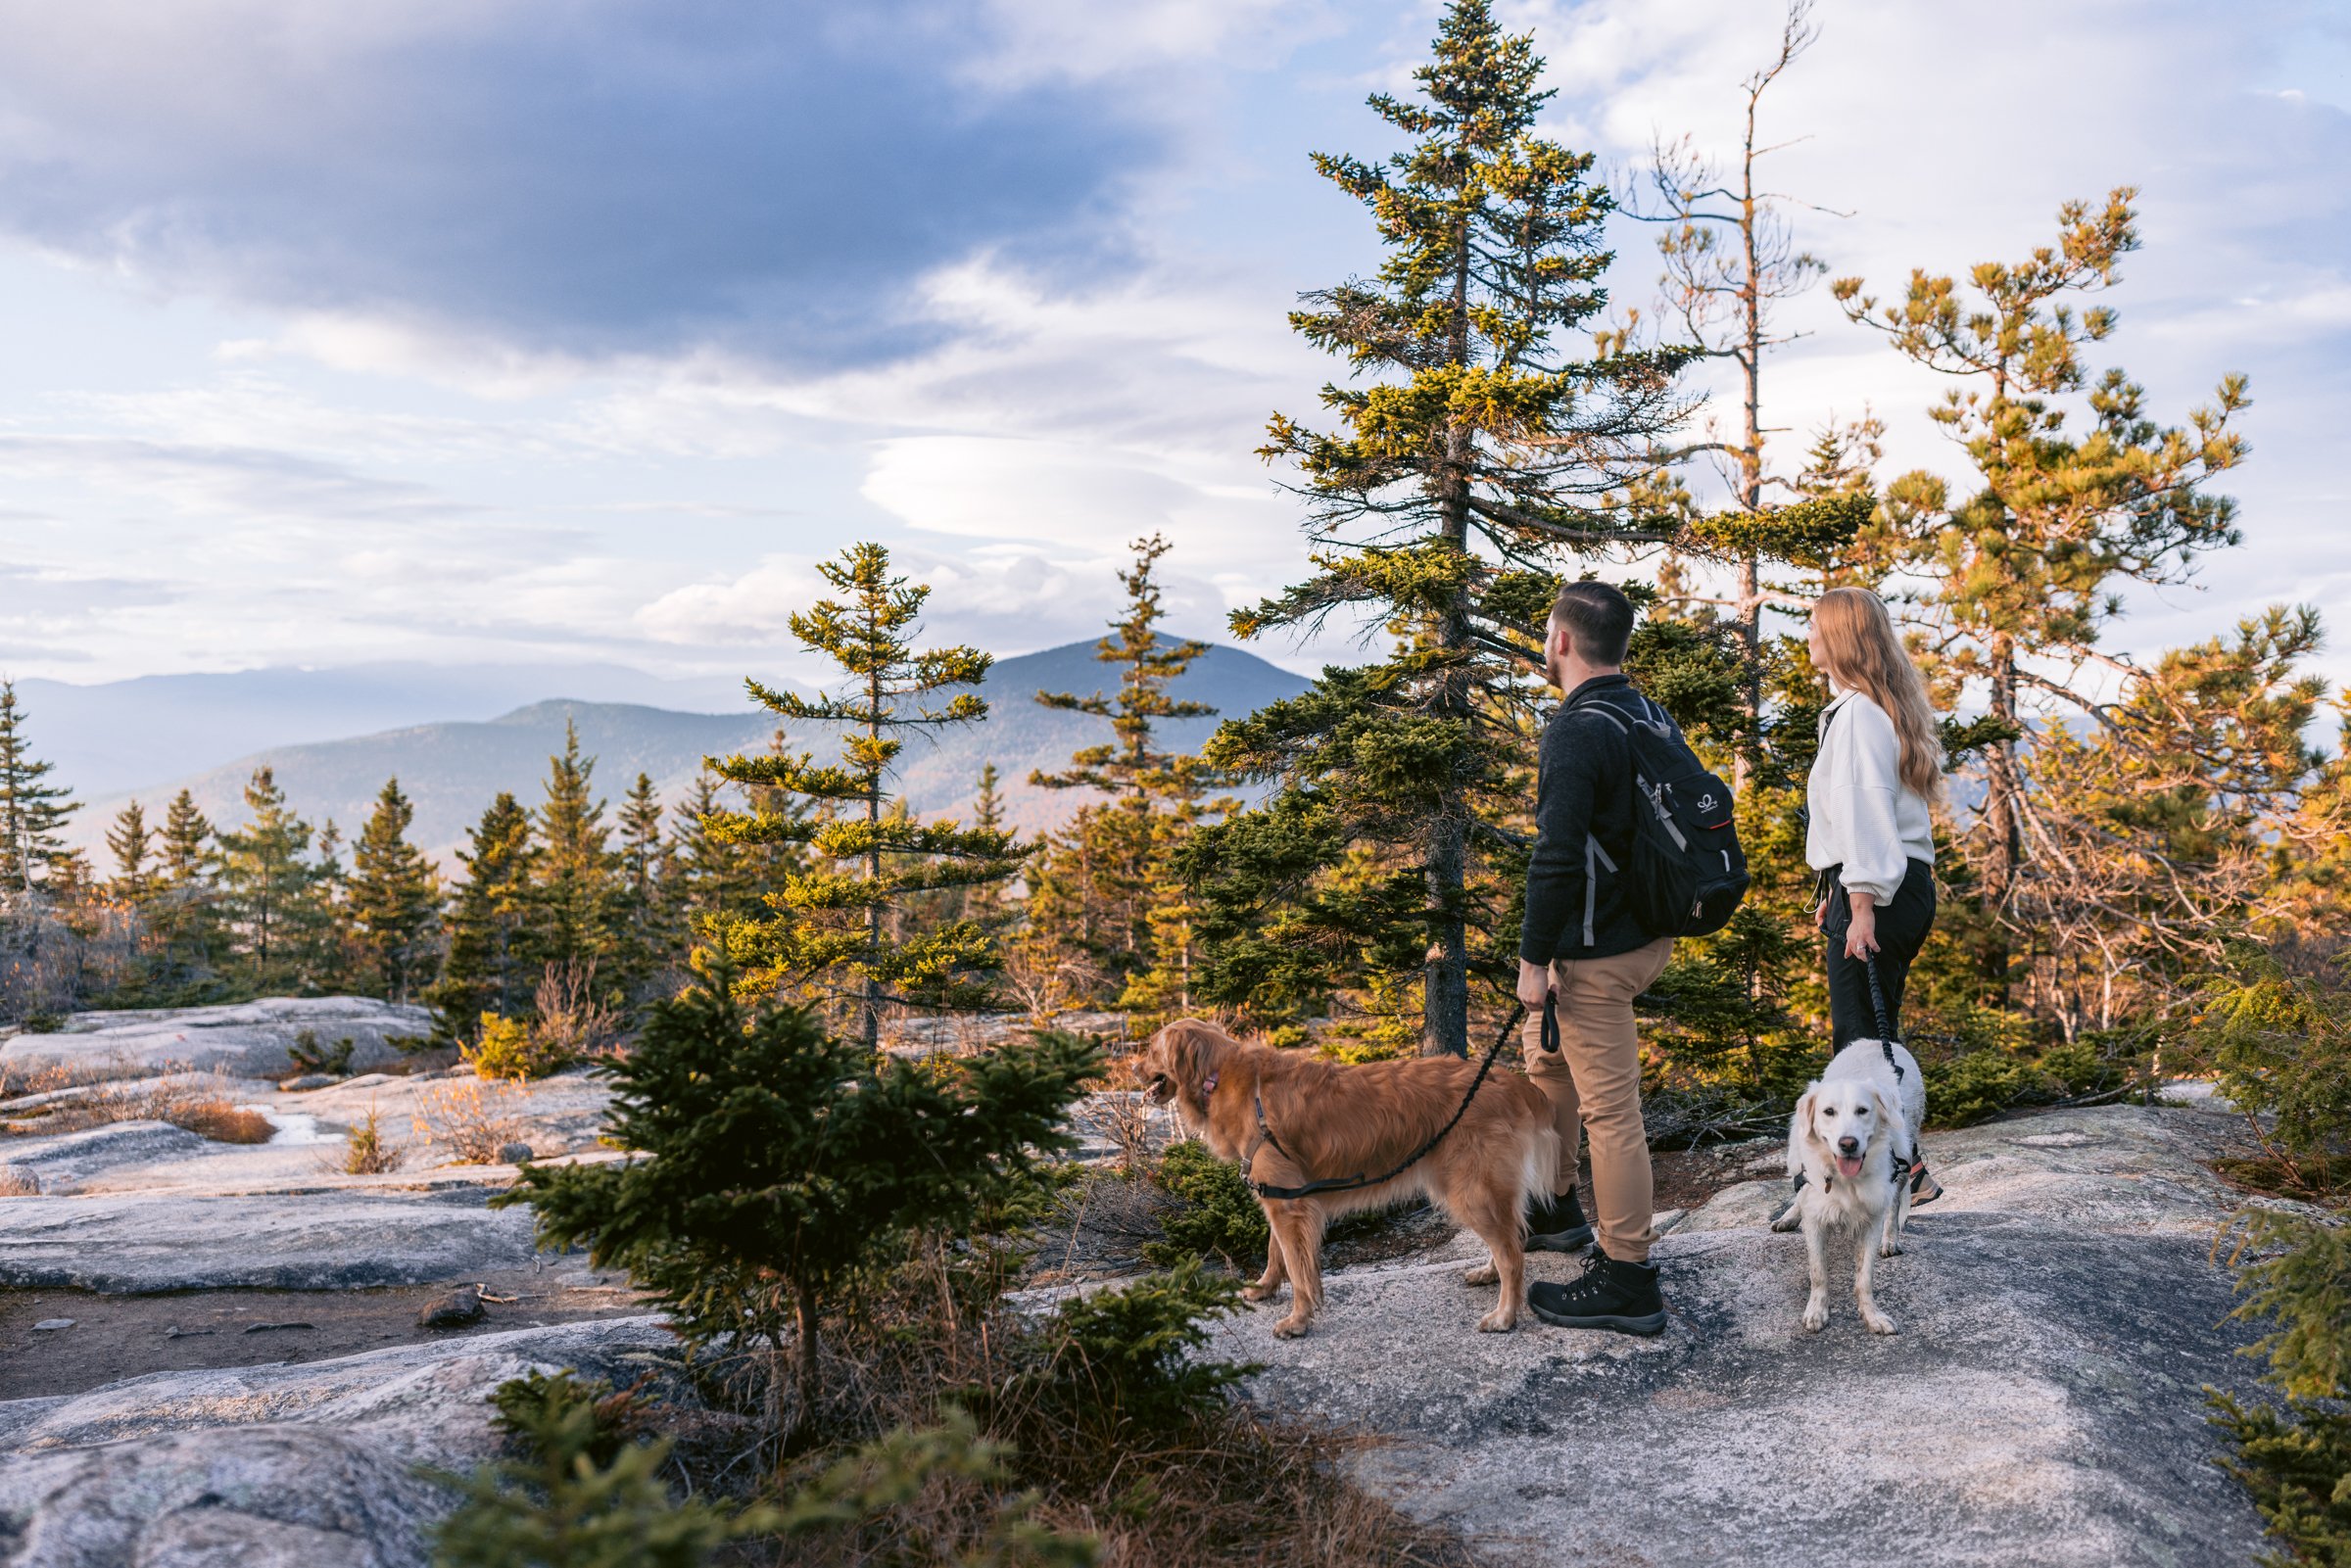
(451, 770)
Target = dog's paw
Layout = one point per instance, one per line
(1890, 1248)
(1483, 1274)
(1788, 1221)
(1500, 1320)
(1878, 1324)
(1289, 1328)
(1816, 1316)
(1254, 1294)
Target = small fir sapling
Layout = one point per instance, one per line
(784, 1158)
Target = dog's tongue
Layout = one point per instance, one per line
(1848, 1165)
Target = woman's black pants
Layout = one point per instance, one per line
(1903, 927)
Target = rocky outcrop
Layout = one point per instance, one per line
(61, 1162)
(249, 1039)
(2060, 1311)
(320, 1241)
(313, 1466)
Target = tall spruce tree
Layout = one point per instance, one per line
(2077, 492)
(825, 931)
(270, 892)
(184, 909)
(1092, 887)
(394, 900)
(185, 843)
(1474, 453)
(575, 869)
(132, 844)
(645, 930)
(32, 810)
(494, 961)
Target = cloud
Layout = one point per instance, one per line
(607, 177)
(1006, 599)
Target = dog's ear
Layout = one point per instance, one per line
(1889, 1114)
(1805, 1109)
(1192, 1055)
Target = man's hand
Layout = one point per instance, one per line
(1534, 983)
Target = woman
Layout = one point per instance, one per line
(1871, 837)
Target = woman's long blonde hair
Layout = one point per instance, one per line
(1866, 655)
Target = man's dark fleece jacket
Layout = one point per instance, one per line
(1583, 792)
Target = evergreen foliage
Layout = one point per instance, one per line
(32, 810)
(574, 872)
(1105, 907)
(825, 935)
(646, 936)
(272, 896)
(582, 1490)
(779, 1161)
(2023, 571)
(132, 844)
(494, 958)
(1473, 453)
(393, 901)
(1132, 1354)
(1217, 1215)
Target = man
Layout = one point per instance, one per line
(1580, 941)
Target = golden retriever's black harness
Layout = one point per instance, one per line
(1265, 1138)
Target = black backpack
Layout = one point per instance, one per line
(1688, 872)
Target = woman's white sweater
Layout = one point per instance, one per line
(1865, 818)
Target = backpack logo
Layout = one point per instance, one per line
(1705, 802)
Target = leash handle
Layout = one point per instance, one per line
(1550, 1023)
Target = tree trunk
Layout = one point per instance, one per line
(804, 1368)
(2002, 813)
(873, 870)
(1445, 973)
(1750, 463)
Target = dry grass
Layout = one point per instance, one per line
(367, 1154)
(471, 1121)
(199, 1103)
(16, 1183)
(222, 1122)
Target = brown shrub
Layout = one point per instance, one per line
(472, 1122)
(220, 1122)
(16, 1183)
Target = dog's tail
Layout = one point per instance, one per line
(1538, 1164)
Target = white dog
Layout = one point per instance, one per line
(1850, 1146)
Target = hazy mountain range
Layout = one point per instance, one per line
(333, 737)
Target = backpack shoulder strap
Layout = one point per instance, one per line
(1598, 703)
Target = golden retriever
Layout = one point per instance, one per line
(1332, 1122)
(1850, 1141)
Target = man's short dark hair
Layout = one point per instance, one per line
(1599, 619)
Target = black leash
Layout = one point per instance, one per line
(1877, 1000)
(1550, 1042)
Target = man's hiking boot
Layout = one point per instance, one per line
(1557, 1225)
(1610, 1294)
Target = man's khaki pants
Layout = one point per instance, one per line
(1594, 1081)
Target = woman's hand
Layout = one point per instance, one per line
(1861, 937)
(1534, 983)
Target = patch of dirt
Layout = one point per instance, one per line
(1688, 1178)
(118, 1337)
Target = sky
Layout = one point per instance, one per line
(472, 331)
